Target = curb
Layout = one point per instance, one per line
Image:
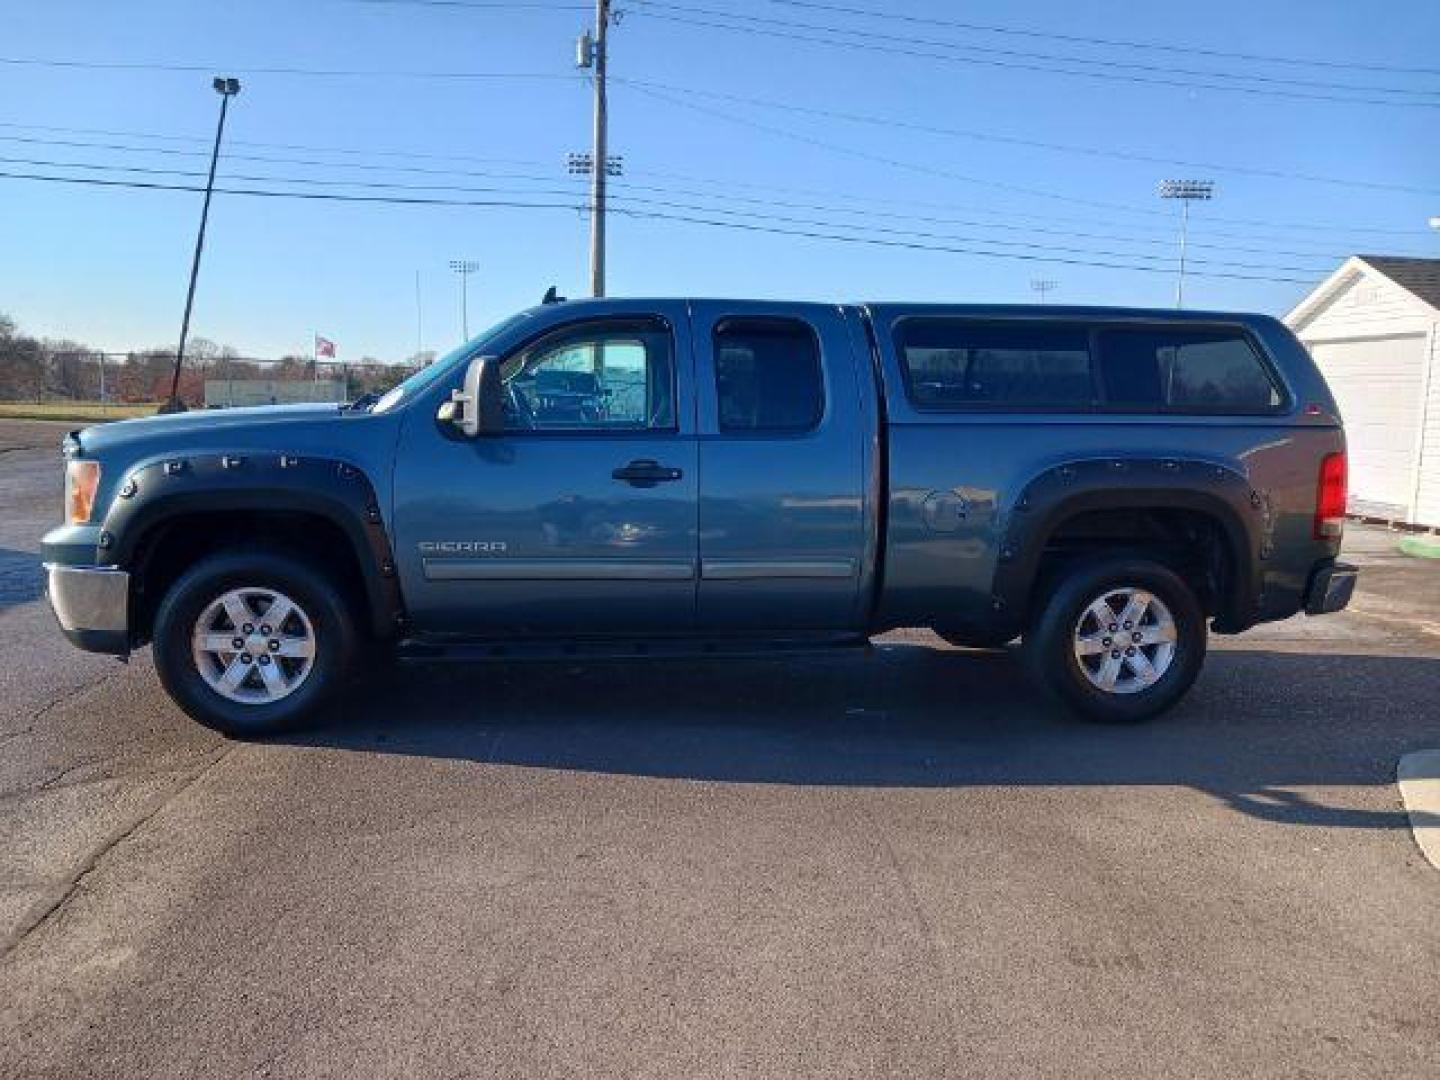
(1418, 777)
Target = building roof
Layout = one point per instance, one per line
(1420, 276)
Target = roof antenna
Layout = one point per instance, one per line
(551, 297)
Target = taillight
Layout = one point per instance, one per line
(1330, 498)
(81, 480)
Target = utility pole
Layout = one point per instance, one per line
(226, 88)
(592, 53)
(1187, 191)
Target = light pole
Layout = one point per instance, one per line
(419, 321)
(226, 88)
(464, 267)
(1044, 286)
(1187, 191)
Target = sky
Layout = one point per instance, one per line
(1002, 132)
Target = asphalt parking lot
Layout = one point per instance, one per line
(901, 863)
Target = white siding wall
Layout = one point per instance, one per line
(1372, 343)
(1427, 510)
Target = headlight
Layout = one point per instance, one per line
(81, 480)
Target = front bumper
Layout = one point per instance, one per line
(1330, 588)
(92, 605)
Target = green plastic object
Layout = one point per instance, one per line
(1424, 547)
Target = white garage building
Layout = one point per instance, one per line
(1373, 327)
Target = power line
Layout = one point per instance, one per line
(868, 44)
(931, 170)
(985, 28)
(309, 148)
(487, 5)
(271, 159)
(1269, 225)
(1080, 39)
(1245, 76)
(897, 163)
(659, 189)
(338, 73)
(671, 204)
(651, 215)
(1010, 140)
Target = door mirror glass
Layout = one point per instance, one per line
(477, 407)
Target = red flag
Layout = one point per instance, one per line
(324, 347)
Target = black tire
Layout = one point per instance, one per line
(335, 640)
(1050, 642)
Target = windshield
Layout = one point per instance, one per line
(438, 369)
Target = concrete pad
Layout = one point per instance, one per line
(1418, 775)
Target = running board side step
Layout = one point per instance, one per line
(580, 649)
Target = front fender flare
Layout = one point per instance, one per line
(163, 491)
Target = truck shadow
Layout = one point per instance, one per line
(1257, 725)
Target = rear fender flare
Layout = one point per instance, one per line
(1135, 483)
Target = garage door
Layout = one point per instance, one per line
(1377, 382)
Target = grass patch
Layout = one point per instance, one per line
(87, 412)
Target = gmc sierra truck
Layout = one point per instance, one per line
(650, 478)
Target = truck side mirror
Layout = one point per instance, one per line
(478, 407)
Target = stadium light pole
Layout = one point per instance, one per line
(226, 88)
(1187, 191)
(464, 267)
(1044, 286)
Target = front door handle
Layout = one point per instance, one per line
(646, 472)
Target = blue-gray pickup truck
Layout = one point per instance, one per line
(649, 478)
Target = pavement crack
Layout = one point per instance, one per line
(927, 929)
(50, 907)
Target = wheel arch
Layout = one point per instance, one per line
(1212, 492)
(184, 507)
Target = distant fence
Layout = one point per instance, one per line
(237, 393)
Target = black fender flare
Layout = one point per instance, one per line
(1136, 483)
(163, 491)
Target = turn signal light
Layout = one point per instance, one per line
(81, 480)
(1330, 498)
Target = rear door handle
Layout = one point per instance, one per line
(646, 472)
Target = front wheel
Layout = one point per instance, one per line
(251, 643)
(1119, 639)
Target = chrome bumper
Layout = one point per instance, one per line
(92, 605)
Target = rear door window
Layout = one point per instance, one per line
(962, 364)
(1183, 370)
(767, 376)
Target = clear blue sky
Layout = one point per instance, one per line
(108, 266)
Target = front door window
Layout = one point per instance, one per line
(616, 376)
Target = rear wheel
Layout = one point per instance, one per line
(251, 643)
(1119, 639)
